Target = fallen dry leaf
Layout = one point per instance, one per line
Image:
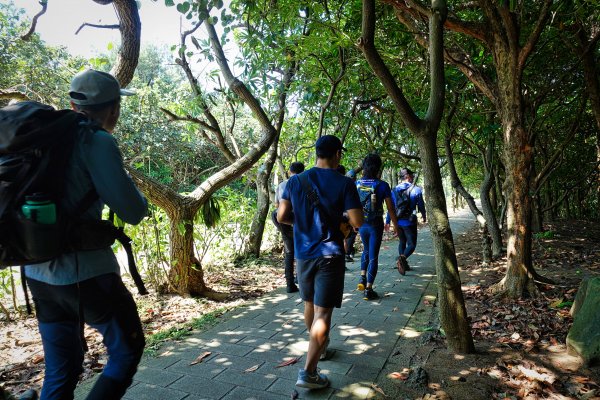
(398, 375)
(378, 389)
(253, 368)
(38, 358)
(201, 357)
(289, 362)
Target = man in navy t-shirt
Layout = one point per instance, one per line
(319, 246)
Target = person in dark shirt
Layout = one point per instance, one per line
(407, 233)
(376, 193)
(287, 232)
(85, 286)
(319, 246)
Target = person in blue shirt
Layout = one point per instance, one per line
(373, 193)
(319, 247)
(85, 286)
(408, 225)
(287, 232)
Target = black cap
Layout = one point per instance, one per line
(327, 146)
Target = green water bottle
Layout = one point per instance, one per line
(39, 208)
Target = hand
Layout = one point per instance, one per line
(386, 227)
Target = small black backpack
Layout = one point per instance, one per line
(403, 208)
(36, 143)
(368, 199)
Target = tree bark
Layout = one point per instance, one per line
(263, 200)
(456, 183)
(486, 204)
(264, 173)
(453, 313)
(130, 27)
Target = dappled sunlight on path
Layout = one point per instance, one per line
(241, 357)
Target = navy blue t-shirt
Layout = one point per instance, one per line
(337, 194)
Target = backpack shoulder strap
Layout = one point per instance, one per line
(313, 197)
(310, 192)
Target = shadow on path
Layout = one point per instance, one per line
(250, 342)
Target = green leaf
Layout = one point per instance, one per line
(110, 46)
(183, 7)
(169, 3)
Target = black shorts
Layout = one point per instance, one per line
(321, 280)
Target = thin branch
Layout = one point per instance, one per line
(561, 148)
(573, 185)
(27, 36)
(188, 118)
(113, 26)
(534, 36)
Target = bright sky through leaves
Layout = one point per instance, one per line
(160, 24)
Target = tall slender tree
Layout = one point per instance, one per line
(453, 312)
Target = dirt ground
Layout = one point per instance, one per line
(520, 345)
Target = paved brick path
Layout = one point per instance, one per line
(270, 330)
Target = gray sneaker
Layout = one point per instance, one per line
(316, 380)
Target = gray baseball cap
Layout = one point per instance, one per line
(91, 87)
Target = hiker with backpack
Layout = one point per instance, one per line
(314, 202)
(85, 286)
(287, 232)
(407, 198)
(373, 193)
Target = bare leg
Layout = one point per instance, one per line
(319, 329)
(309, 314)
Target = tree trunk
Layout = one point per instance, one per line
(458, 186)
(263, 201)
(537, 224)
(548, 214)
(130, 27)
(499, 194)
(518, 158)
(453, 313)
(486, 205)
(186, 274)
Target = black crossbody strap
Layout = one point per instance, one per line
(313, 197)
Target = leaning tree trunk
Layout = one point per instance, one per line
(130, 27)
(453, 313)
(486, 204)
(460, 189)
(264, 173)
